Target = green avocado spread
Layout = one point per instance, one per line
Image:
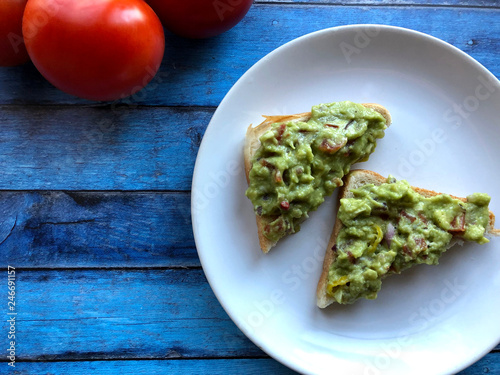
(299, 163)
(391, 227)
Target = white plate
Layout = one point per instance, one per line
(445, 136)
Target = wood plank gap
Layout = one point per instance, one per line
(111, 268)
(139, 359)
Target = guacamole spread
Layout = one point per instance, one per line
(299, 163)
(391, 227)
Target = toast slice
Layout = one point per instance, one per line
(357, 179)
(253, 143)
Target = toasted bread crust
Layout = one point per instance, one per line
(355, 179)
(252, 144)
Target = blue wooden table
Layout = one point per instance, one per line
(95, 198)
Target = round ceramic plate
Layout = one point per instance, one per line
(444, 136)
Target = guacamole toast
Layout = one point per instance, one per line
(292, 162)
(384, 226)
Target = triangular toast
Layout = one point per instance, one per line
(356, 179)
(252, 144)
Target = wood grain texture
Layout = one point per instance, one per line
(125, 314)
(116, 314)
(261, 366)
(96, 229)
(125, 147)
(200, 72)
(92, 148)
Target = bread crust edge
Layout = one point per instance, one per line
(252, 144)
(354, 179)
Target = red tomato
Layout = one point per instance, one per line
(12, 49)
(94, 49)
(200, 18)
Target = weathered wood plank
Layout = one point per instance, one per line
(129, 314)
(261, 366)
(134, 148)
(200, 72)
(116, 314)
(66, 148)
(96, 229)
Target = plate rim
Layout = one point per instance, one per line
(256, 339)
